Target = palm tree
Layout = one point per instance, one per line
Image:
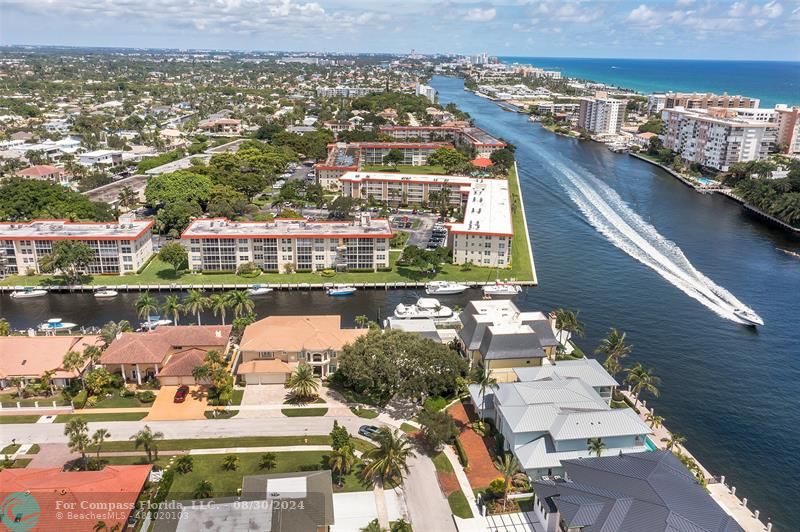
(303, 383)
(148, 439)
(401, 526)
(567, 322)
(92, 354)
(615, 349)
(596, 446)
(341, 461)
(218, 304)
(675, 441)
(240, 302)
(112, 330)
(98, 439)
(507, 465)
(373, 526)
(654, 420)
(361, 321)
(389, 460)
(230, 462)
(77, 430)
(184, 464)
(127, 198)
(485, 381)
(268, 461)
(172, 307)
(19, 384)
(75, 361)
(195, 303)
(146, 305)
(642, 379)
(46, 380)
(5, 327)
(203, 490)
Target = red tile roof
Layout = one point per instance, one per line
(31, 356)
(182, 363)
(77, 500)
(39, 170)
(154, 346)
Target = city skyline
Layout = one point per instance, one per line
(674, 29)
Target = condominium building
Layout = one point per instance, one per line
(656, 103)
(460, 135)
(696, 100)
(601, 115)
(788, 122)
(119, 248)
(426, 91)
(218, 244)
(406, 189)
(717, 138)
(346, 92)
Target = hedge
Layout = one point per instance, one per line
(462, 454)
(163, 489)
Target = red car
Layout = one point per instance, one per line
(180, 395)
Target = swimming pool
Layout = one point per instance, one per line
(650, 445)
(706, 181)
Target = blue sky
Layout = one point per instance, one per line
(720, 29)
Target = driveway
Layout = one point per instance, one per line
(166, 409)
(355, 510)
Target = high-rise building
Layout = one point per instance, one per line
(696, 100)
(427, 91)
(788, 122)
(601, 115)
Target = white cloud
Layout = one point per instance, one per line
(642, 15)
(477, 14)
(768, 10)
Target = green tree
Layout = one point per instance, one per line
(613, 346)
(184, 464)
(438, 427)
(75, 362)
(148, 439)
(70, 257)
(230, 462)
(226, 202)
(361, 321)
(641, 379)
(28, 199)
(503, 158)
(486, 382)
(596, 446)
(195, 302)
(654, 420)
(5, 327)
(339, 436)
(174, 217)
(98, 380)
(303, 383)
(77, 430)
(240, 302)
(675, 441)
(172, 307)
(218, 303)
(174, 254)
(393, 158)
(567, 322)
(400, 526)
(127, 198)
(178, 187)
(98, 439)
(448, 158)
(268, 461)
(389, 460)
(146, 305)
(203, 490)
(373, 526)
(341, 461)
(112, 330)
(508, 466)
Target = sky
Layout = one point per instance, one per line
(682, 29)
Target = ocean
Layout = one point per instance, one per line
(773, 82)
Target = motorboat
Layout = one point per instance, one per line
(341, 291)
(153, 322)
(440, 288)
(501, 289)
(258, 290)
(425, 307)
(27, 292)
(748, 316)
(103, 292)
(56, 325)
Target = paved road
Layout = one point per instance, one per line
(428, 508)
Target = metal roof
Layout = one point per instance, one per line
(587, 370)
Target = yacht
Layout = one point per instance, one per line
(27, 292)
(425, 307)
(56, 325)
(103, 292)
(341, 291)
(501, 289)
(748, 316)
(434, 288)
(258, 290)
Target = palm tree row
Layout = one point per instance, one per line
(195, 302)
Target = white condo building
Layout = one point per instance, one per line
(601, 115)
(427, 91)
(717, 138)
(218, 244)
(120, 247)
(788, 122)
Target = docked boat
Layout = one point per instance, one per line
(258, 290)
(56, 325)
(748, 316)
(103, 292)
(153, 322)
(341, 291)
(443, 288)
(425, 307)
(27, 292)
(500, 289)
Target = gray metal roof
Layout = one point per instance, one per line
(510, 341)
(650, 491)
(588, 370)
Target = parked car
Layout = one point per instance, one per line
(368, 431)
(180, 395)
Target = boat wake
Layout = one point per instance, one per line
(612, 217)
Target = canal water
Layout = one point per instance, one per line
(630, 247)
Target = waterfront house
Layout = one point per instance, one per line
(45, 172)
(588, 370)
(272, 347)
(626, 492)
(554, 418)
(168, 353)
(29, 357)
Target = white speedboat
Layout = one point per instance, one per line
(56, 325)
(425, 307)
(258, 290)
(341, 291)
(499, 289)
(443, 288)
(748, 316)
(153, 322)
(103, 292)
(27, 292)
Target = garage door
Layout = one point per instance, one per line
(266, 378)
(175, 381)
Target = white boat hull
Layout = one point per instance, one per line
(258, 291)
(46, 327)
(22, 294)
(335, 292)
(445, 289)
(106, 294)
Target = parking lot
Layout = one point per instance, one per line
(419, 227)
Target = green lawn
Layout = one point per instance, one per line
(408, 429)
(521, 267)
(405, 169)
(6, 420)
(236, 398)
(247, 441)
(117, 401)
(225, 483)
(366, 413)
(10, 449)
(120, 416)
(11, 400)
(34, 449)
(21, 463)
(304, 412)
(441, 462)
(459, 505)
(220, 414)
